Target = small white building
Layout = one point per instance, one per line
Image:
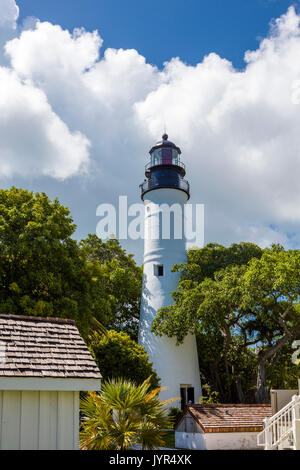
(220, 427)
(44, 364)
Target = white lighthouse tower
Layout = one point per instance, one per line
(165, 193)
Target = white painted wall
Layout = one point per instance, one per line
(191, 441)
(39, 420)
(174, 364)
(216, 441)
(231, 440)
(280, 398)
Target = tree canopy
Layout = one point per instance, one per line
(41, 269)
(116, 284)
(45, 272)
(117, 355)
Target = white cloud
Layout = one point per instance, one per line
(9, 13)
(48, 50)
(239, 130)
(33, 139)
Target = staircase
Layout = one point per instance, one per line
(282, 430)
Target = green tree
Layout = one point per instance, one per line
(209, 396)
(117, 284)
(272, 293)
(123, 416)
(41, 269)
(205, 262)
(282, 373)
(45, 272)
(117, 355)
(233, 377)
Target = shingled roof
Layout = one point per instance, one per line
(44, 347)
(229, 418)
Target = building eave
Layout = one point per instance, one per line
(210, 430)
(49, 384)
(196, 419)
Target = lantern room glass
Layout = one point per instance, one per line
(164, 156)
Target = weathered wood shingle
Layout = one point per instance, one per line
(44, 347)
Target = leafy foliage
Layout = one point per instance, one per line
(116, 284)
(117, 355)
(205, 262)
(174, 414)
(123, 416)
(209, 396)
(41, 268)
(45, 272)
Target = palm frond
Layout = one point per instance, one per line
(123, 415)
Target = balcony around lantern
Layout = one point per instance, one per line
(158, 183)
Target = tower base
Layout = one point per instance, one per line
(176, 365)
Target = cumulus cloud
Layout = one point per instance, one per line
(9, 14)
(239, 130)
(34, 140)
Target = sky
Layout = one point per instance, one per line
(86, 88)
(162, 29)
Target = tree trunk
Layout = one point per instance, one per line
(228, 387)
(239, 391)
(261, 394)
(213, 368)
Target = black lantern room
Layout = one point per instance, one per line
(165, 168)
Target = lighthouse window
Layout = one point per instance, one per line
(156, 157)
(175, 157)
(158, 270)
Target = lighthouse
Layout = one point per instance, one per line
(165, 193)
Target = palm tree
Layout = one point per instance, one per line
(122, 416)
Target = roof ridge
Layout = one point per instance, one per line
(233, 405)
(38, 319)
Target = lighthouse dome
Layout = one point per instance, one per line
(165, 143)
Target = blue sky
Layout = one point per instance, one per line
(162, 29)
(79, 112)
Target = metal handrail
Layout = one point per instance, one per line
(179, 184)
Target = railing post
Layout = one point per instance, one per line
(268, 435)
(296, 433)
(296, 422)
